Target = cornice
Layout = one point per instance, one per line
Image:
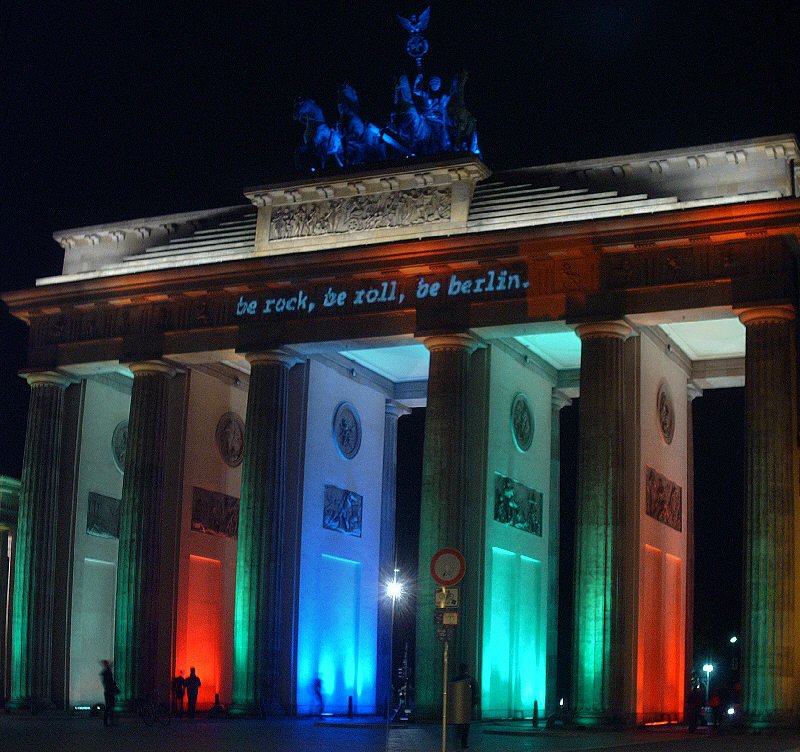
(710, 225)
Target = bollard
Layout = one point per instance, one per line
(350, 706)
(535, 713)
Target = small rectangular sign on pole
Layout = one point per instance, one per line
(445, 597)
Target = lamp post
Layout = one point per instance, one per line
(708, 668)
(394, 590)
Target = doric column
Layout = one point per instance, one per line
(259, 559)
(4, 594)
(387, 550)
(692, 393)
(768, 611)
(34, 571)
(558, 401)
(137, 613)
(597, 671)
(442, 518)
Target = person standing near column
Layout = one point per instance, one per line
(178, 687)
(192, 684)
(110, 692)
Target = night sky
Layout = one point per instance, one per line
(111, 111)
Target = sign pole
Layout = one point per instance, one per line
(447, 569)
(444, 698)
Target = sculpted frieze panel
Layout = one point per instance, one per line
(517, 506)
(360, 213)
(102, 516)
(342, 510)
(663, 499)
(214, 513)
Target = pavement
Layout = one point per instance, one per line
(44, 733)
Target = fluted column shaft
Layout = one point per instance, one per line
(768, 610)
(387, 551)
(34, 570)
(259, 558)
(558, 401)
(4, 595)
(137, 613)
(597, 683)
(442, 518)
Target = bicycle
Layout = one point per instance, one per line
(152, 710)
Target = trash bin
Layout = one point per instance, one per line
(459, 701)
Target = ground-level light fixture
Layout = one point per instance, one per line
(708, 668)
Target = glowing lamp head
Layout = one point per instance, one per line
(394, 589)
(708, 668)
(734, 639)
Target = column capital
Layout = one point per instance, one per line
(278, 357)
(459, 341)
(765, 314)
(559, 400)
(151, 367)
(49, 378)
(617, 329)
(396, 409)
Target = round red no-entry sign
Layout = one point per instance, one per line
(448, 566)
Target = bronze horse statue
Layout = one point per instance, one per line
(322, 144)
(362, 141)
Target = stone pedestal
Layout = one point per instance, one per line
(442, 514)
(137, 606)
(259, 561)
(32, 623)
(768, 599)
(598, 645)
(387, 555)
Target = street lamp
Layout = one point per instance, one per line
(708, 668)
(394, 590)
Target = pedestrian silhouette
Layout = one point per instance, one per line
(110, 692)
(192, 684)
(319, 703)
(178, 687)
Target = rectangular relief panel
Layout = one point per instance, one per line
(214, 513)
(102, 516)
(342, 510)
(517, 505)
(663, 499)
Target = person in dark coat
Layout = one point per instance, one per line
(110, 692)
(192, 684)
(178, 687)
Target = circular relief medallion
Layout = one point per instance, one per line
(521, 422)
(347, 430)
(230, 439)
(665, 413)
(119, 444)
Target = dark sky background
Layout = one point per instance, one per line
(111, 111)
